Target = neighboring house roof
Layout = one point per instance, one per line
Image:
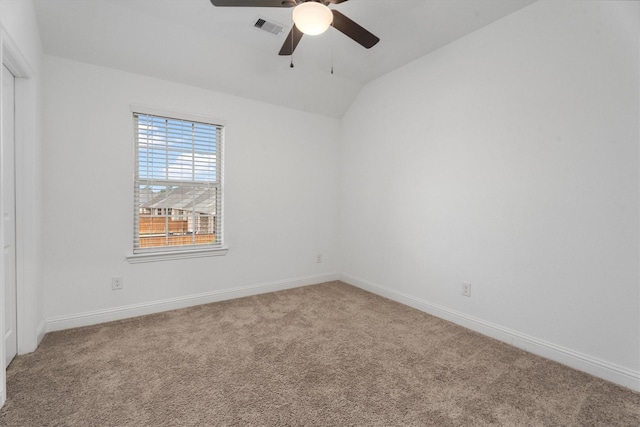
(188, 199)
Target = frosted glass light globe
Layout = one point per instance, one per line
(312, 18)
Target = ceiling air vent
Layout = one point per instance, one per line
(269, 27)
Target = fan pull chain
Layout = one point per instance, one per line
(332, 49)
(291, 65)
(292, 25)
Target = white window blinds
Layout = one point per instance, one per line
(178, 184)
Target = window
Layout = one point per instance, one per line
(178, 185)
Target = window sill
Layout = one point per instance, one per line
(172, 255)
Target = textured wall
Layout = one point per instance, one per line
(280, 183)
(508, 159)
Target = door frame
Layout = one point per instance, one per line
(29, 334)
(8, 151)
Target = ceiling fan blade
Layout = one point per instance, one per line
(254, 3)
(264, 3)
(353, 30)
(291, 41)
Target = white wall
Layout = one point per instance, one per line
(508, 159)
(280, 201)
(22, 50)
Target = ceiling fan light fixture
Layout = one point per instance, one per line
(312, 18)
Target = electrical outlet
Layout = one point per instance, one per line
(116, 283)
(319, 258)
(466, 289)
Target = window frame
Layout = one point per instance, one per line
(160, 253)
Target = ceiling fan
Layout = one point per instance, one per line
(310, 17)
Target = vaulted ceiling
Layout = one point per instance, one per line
(218, 48)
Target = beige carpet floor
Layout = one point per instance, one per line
(322, 355)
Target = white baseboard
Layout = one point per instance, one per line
(591, 365)
(117, 313)
(41, 330)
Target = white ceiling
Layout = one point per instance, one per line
(217, 48)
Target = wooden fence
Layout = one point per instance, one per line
(188, 239)
(158, 225)
(153, 233)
